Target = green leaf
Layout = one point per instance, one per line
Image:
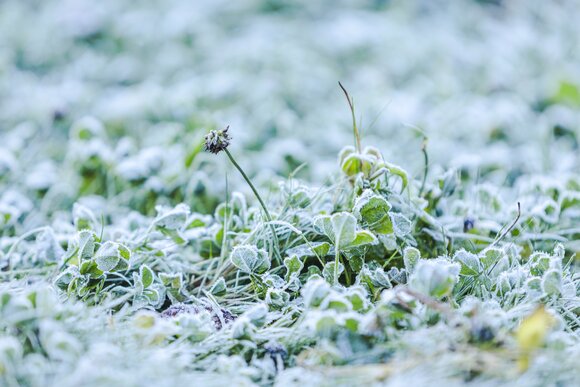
(248, 259)
(293, 266)
(356, 163)
(90, 268)
(534, 285)
(569, 199)
(173, 219)
(343, 229)
(490, 256)
(107, 257)
(434, 277)
(172, 280)
(277, 298)
(83, 217)
(146, 275)
(362, 238)
(398, 171)
(345, 152)
(358, 298)
(410, 258)
(339, 228)
(320, 248)
(219, 288)
(552, 282)
(124, 252)
(402, 225)
(568, 93)
(323, 225)
(175, 235)
(86, 244)
(355, 261)
(373, 210)
(470, 264)
(310, 250)
(152, 295)
(64, 279)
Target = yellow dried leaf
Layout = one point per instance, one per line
(531, 334)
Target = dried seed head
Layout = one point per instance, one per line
(217, 140)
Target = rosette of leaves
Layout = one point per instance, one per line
(102, 267)
(341, 230)
(147, 291)
(275, 289)
(94, 261)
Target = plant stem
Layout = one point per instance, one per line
(354, 127)
(255, 191)
(247, 179)
(336, 263)
(507, 231)
(426, 160)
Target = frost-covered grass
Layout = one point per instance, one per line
(432, 236)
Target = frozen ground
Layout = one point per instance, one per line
(103, 110)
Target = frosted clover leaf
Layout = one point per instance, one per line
(435, 278)
(293, 266)
(86, 245)
(552, 282)
(112, 256)
(172, 219)
(217, 140)
(340, 228)
(470, 263)
(171, 222)
(249, 259)
(374, 210)
(401, 225)
(411, 257)
(146, 275)
(219, 288)
(277, 298)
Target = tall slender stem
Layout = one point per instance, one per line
(336, 263)
(354, 127)
(268, 216)
(247, 179)
(426, 162)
